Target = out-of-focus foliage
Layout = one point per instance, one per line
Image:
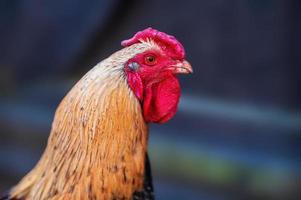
(237, 132)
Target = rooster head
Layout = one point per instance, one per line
(151, 74)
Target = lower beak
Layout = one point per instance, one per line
(183, 67)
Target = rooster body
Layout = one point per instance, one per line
(97, 148)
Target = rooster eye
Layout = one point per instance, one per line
(150, 60)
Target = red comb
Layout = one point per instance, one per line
(166, 42)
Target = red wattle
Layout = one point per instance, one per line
(161, 100)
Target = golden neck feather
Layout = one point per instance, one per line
(96, 148)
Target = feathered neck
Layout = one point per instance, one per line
(97, 144)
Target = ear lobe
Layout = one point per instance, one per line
(135, 84)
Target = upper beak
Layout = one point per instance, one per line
(183, 67)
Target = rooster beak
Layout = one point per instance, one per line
(183, 67)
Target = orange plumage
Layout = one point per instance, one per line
(98, 141)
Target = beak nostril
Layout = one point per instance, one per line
(183, 68)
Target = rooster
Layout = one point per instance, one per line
(97, 148)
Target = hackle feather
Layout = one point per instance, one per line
(96, 148)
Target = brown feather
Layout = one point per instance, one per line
(96, 148)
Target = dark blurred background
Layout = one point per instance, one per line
(237, 134)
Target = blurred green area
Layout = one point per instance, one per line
(237, 132)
